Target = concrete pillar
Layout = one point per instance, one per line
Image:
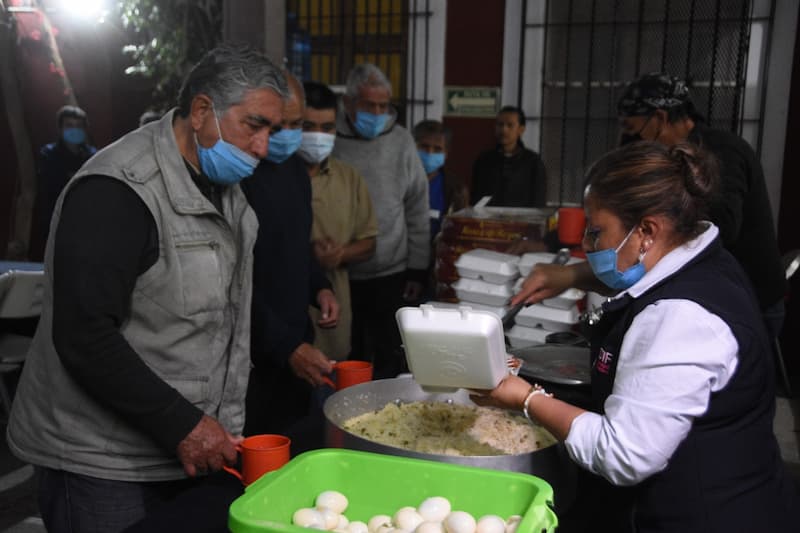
(259, 23)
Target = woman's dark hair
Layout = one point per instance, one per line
(648, 178)
(319, 95)
(513, 109)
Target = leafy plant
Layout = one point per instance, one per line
(171, 36)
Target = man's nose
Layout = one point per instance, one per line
(260, 145)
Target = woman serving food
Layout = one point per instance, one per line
(682, 376)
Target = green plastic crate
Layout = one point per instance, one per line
(382, 484)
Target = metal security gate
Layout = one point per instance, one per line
(326, 38)
(592, 48)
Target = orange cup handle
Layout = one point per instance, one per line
(328, 380)
(233, 471)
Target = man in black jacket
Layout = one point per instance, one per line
(658, 107)
(510, 173)
(286, 279)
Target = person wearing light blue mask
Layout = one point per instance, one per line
(384, 153)
(152, 245)
(604, 265)
(283, 144)
(288, 368)
(681, 364)
(57, 163)
(224, 163)
(370, 110)
(446, 193)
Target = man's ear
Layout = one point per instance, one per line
(662, 117)
(199, 110)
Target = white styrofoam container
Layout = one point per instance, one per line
(526, 262)
(482, 292)
(521, 336)
(488, 265)
(447, 349)
(500, 311)
(550, 318)
(565, 300)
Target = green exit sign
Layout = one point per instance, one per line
(472, 101)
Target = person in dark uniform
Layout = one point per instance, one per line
(658, 107)
(680, 437)
(510, 173)
(57, 163)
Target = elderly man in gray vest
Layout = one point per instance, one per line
(137, 374)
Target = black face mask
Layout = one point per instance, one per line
(627, 138)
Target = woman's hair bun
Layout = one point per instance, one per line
(698, 167)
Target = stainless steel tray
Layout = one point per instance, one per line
(565, 365)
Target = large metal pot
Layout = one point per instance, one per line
(551, 464)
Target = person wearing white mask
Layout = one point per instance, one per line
(344, 228)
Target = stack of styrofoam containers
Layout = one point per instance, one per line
(486, 280)
(534, 323)
(488, 228)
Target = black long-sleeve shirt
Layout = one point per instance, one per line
(106, 238)
(742, 212)
(286, 274)
(518, 180)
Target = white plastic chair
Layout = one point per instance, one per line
(20, 297)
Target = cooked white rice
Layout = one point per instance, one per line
(450, 429)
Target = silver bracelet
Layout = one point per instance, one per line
(535, 389)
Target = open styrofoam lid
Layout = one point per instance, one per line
(447, 349)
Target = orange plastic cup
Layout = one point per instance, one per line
(350, 373)
(261, 454)
(571, 223)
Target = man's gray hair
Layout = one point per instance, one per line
(226, 73)
(366, 75)
(293, 83)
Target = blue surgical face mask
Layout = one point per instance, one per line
(225, 163)
(74, 135)
(283, 144)
(369, 125)
(431, 162)
(316, 146)
(604, 266)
